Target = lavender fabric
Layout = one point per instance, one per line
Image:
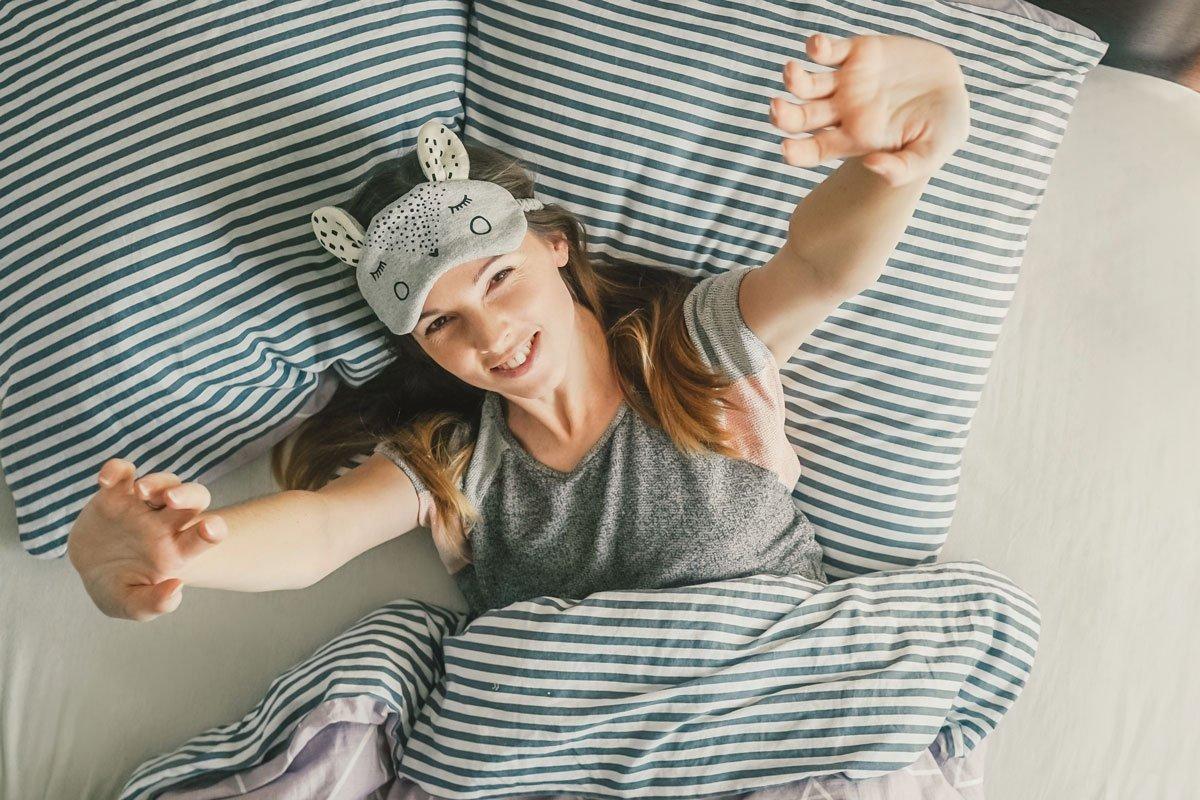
(341, 754)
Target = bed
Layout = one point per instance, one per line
(1079, 483)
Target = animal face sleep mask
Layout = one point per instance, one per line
(434, 227)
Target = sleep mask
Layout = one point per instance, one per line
(436, 226)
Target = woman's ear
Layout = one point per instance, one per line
(562, 251)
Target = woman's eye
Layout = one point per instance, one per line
(434, 327)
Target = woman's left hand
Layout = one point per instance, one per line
(897, 101)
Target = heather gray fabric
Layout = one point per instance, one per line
(635, 513)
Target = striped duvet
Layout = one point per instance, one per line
(766, 686)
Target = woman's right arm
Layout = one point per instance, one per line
(134, 560)
(277, 541)
(295, 538)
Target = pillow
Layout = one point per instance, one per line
(164, 299)
(650, 122)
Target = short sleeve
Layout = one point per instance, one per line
(719, 331)
(427, 515)
(424, 498)
(715, 324)
(389, 451)
(460, 436)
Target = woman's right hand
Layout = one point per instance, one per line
(126, 552)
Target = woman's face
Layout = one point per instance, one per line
(468, 327)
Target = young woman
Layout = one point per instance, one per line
(563, 426)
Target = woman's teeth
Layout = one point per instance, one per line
(519, 358)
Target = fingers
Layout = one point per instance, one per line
(808, 85)
(185, 496)
(901, 166)
(194, 533)
(177, 504)
(827, 50)
(150, 487)
(197, 538)
(794, 118)
(116, 474)
(821, 146)
(145, 602)
(117, 484)
(887, 165)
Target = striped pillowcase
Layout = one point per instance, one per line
(650, 122)
(162, 297)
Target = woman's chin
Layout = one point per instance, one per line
(540, 386)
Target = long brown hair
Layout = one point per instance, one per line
(417, 406)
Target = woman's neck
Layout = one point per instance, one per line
(587, 397)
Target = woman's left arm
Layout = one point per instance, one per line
(894, 109)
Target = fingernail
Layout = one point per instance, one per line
(171, 496)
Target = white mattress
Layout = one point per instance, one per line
(1079, 481)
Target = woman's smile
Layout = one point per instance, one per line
(525, 366)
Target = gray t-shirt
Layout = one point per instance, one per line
(635, 513)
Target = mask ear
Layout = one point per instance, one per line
(442, 154)
(339, 233)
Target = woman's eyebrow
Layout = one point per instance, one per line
(478, 275)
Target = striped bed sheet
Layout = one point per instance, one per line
(775, 686)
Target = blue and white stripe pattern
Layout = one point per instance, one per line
(162, 296)
(675, 693)
(725, 686)
(649, 120)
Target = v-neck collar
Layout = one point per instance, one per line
(495, 411)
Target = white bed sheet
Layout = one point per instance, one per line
(1080, 481)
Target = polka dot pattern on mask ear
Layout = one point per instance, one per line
(451, 173)
(336, 238)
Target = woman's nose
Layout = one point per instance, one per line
(495, 336)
